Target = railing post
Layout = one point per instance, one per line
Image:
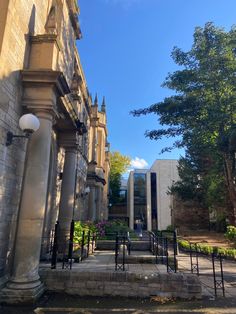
(166, 253)
(70, 250)
(197, 265)
(116, 252)
(150, 243)
(214, 272)
(222, 274)
(129, 243)
(191, 257)
(218, 283)
(156, 248)
(123, 258)
(55, 247)
(92, 241)
(88, 246)
(82, 246)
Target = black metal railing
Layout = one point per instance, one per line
(164, 248)
(213, 262)
(122, 249)
(67, 250)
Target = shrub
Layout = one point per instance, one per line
(108, 229)
(231, 233)
(170, 228)
(102, 227)
(207, 249)
(80, 227)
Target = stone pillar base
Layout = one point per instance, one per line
(3, 281)
(16, 296)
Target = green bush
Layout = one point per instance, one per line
(203, 248)
(170, 228)
(231, 233)
(184, 244)
(80, 227)
(108, 229)
(207, 249)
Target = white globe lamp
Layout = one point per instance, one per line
(28, 123)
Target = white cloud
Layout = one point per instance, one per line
(139, 163)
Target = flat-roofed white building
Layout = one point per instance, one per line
(148, 199)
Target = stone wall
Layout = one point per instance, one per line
(123, 284)
(23, 19)
(13, 58)
(167, 173)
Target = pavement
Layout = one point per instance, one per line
(52, 303)
(105, 261)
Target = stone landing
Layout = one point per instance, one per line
(96, 277)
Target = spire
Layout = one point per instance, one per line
(51, 23)
(96, 100)
(103, 109)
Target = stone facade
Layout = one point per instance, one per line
(99, 166)
(43, 178)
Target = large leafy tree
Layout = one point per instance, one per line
(119, 165)
(202, 111)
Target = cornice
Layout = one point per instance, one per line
(94, 177)
(46, 38)
(73, 13)
(46, 77)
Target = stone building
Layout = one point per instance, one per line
(99, 165)
(148, 199)
(44, 178)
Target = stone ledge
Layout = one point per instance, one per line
(126, 284)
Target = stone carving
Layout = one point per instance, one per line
(51, 23)
(76, 82)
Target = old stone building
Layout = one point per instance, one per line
(99, 167)
(44, 177)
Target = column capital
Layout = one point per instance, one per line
(41, 89)
(68, 140)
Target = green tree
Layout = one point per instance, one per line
(202, 111)
(119, 165)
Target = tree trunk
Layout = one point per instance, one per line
(231, 186)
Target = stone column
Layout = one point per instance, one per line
(25, 284)
(94, 144)
(92, 203)
(66, 207)
(131, 201)
(149, 202)
(98, 203)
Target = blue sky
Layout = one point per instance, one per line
(125, 53)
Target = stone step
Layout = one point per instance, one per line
(146, 259)
(136, 245)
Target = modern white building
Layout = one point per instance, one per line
(148, 199)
